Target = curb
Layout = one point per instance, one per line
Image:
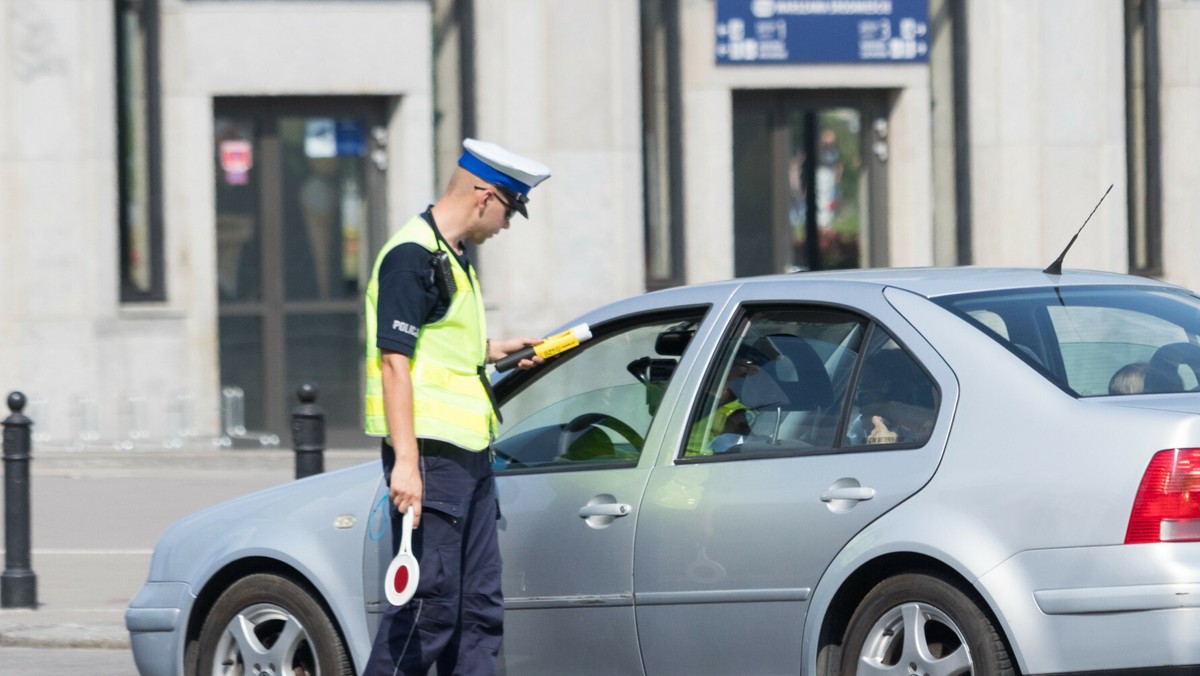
(63, 636)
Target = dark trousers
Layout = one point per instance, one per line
(455, 620)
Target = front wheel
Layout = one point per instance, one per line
(267, 624)
(921, 624)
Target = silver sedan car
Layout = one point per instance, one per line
(877, 472)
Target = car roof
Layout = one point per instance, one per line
(934, 282)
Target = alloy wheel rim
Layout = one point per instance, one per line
(915, 639)
(264, 640)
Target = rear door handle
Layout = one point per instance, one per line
(856, 493)
(607, 509)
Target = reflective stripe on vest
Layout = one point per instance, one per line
(449, 401)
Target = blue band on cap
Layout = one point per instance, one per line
(492, 175)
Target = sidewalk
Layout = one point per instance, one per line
(96, 515)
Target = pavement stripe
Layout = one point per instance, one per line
(89, 552)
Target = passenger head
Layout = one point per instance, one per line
(1129, 379)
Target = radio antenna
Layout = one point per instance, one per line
(1055, 268)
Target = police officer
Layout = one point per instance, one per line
(429, 399)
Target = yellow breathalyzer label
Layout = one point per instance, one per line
(556, 344)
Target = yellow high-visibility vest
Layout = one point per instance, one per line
(449, 399)
(710, 427)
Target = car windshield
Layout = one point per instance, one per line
(1095, 341)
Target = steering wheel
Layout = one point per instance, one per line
(1162, 372)
(575, 431)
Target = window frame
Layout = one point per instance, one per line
(722, 354)
(513, 383)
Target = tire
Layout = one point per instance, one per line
(921, 624)
(268, 624)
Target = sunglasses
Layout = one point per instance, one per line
(506, 200)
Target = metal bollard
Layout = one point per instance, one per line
(308, 432)
(18, 583)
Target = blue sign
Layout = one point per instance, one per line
(822, 31)
(351, 138)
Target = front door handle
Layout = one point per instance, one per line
(605, 509)
(855, 493)
(602, 510)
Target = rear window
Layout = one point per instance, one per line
(1095, 341)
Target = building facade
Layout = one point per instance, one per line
(193, 190)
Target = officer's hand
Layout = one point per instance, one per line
(406, 489)
(499, 349)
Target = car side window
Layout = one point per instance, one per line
(595, 406)
(779, 386)
(895, 400)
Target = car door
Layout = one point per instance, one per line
(740, 519)
(573, 455)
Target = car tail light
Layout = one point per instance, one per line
(1167, 506)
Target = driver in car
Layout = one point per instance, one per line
(730, 422)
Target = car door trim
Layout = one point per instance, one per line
(661, 598)
(723, 596)
(591, 601)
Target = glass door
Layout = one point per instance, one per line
(809, 183)
(298, 193)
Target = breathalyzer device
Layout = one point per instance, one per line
(549, 347)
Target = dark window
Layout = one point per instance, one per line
(895, 400)
(662, 143)
(298, 186)
(1142, 135)
(809, 183)
(138, 151)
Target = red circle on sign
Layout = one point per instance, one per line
(400, 581)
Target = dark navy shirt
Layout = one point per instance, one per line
(408, 297)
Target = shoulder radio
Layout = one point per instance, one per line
(443, 276)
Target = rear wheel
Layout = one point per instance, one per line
(266, 624)
(921, 624)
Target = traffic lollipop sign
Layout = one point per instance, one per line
(403, 574)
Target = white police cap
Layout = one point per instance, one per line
(513, 174)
